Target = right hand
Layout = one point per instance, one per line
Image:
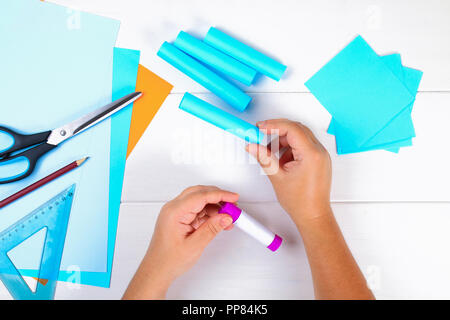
(302, 176)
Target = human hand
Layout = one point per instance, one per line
(185, 226)
(302, 176)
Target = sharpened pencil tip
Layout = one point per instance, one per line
(81, 161)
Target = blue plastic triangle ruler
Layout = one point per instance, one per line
(54, 216)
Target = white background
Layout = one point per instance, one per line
(394, 210)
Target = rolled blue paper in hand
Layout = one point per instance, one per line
(215, 58)
(242, 52)
(207, 78)
(221, 119)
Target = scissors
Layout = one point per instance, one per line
(24, 151)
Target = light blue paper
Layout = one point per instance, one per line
(126, 64)
(391, 147)
(393, 62)
(225, 90)
(221, 119)
(244, 53)
(359, 91)
(56, 65)
(396, 134)
(215, 58)
(399, 131)
(401, 127)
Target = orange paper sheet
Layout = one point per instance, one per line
(155, 90)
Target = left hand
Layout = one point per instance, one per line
(185, 226)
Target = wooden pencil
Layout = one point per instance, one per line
(42, 182)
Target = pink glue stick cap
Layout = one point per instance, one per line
(276, 243)
(235, 212)
(231, 210)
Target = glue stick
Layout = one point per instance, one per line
(249, 225)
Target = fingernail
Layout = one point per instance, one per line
(226, 221)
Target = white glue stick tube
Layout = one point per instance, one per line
(249, 225)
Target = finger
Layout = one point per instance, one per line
(209, 230)
(277, 144)
(230, 227)
(213, 210)
(188, 206)
(267, 159)
(283, 141)
(209, 211)
(198, 221)
(296, 137)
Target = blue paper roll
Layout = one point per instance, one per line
(251, 57)
(221, 119)
(207, 78)
(215, 58)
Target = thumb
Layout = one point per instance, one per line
(268, 161)
(210, 229)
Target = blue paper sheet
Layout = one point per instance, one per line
(393, 62)
(396, 134)
(360, 91)
(400, 130)
(126, 64)
(54, 70)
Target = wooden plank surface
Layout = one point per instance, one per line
(179, 150)
(304, 35)
(400, 243)
(401, 248)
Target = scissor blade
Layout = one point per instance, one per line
(69, 130)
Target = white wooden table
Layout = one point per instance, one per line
(394, 210)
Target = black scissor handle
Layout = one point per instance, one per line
(31, 155)
(22, 141)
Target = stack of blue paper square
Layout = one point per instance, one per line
(370, 98)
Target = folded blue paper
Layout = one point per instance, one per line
(215, 58)
(56, 66)
(206, 77)
(399, 131)
(360, 91)
(245, 54)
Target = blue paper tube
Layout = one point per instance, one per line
(221, 119)
(207, 78)
(241, 52)
(215, 58)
